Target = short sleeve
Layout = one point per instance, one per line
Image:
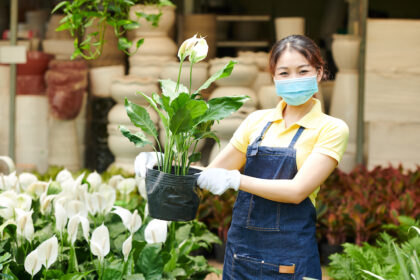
(241, 137)
(333, 139)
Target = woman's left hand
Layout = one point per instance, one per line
(218, 180)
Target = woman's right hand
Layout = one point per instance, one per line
(145, 160)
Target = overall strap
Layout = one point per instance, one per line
(257, 141)
(296, 137)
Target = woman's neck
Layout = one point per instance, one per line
(292, 114)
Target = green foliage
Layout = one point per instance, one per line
(80, 15)
(386, 260)
(187, 118)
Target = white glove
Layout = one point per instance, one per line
(146, 160)
(218, 180)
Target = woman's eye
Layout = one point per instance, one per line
(283, 73)
(303, 71)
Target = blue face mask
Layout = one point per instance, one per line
(296, 91)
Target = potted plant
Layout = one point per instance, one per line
(186, 118)
(81, 14)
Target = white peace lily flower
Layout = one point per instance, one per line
(102, 203)
(60, 217)
(99, 242)
(113, 182)
(8, 203)
(75, 207)
(141, 186)
(92, 204)
(63, 175)
(126, 247)
(48, 251)
(33, 263)
(186, 47)
(81, 192)
(24, 224)
(94, 180)
(131, 221)
(156, 231)
(45, 202)
(26, 179)
(110, 196)
(73, 226)
(4, 225)
(24, 202)
(67, 186)
(199, 52)
(126, 186)
(8, 182)
(36, 189)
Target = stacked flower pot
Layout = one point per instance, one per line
(32, 113)
(158, 48)
(58, 43)
(66, 90)
(238, 83)
(121, 88)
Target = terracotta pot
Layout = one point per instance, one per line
(150, 60)
(286, 26)
(101, 77)
(67, 77)
(65, 104)
(69, 64)
(61, 49)
(234, 91)
(36, 63)
(345, 50)
(243, 74)
(199, 73)
(128, 86)
(30, 84)
(148, 71)
(166, 21)
(156, 45)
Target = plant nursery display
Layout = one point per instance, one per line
(186, 119)
(81, 14)
(92, 227)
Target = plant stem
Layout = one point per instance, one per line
(191, 66)
(179, 75)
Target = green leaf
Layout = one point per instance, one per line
(137, 276)
(111, 274)
(124, 43)
(140, 118)
(76, 275)
(138, 138)
(59, 6)
(222, 107)
(180, 122)
(169, 89)
(224, 72)
(150, 261)
(154, 106)
(139, 43)
(194, 157)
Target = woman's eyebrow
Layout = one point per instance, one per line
(304, 65)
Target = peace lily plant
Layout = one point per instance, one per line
(186, 116)
(88, 227)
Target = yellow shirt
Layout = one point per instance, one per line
(323, 134)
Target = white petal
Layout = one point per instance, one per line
(48, 251)
(199, 52)
(33, 263)
(37, 188)
(8, 204)
(124, 214)
(141, 186)
(94, 180)
(92, 204)
(126, 186)
(100, 237)
(63, 176)
(156, 231)
(85, 227)
(126, 247)
(75, 207)
(24, 202)
(135, 222)
(72, 228)
(26, 179)
(60, 217)
(96, 250)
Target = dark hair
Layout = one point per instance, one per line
(303, 45)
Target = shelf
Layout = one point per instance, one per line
(243, 18)
(243, 44)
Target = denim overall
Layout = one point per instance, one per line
(268, 239)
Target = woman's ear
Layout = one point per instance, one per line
(319, 74)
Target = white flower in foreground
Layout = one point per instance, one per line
(8, 182)
(126, 247)
(26, 179)
(36, 189)
(99, 242)
(95, 180)
(24, 202)
(48, 251)
(60, 217)
(126, 186)
(45, 202)
(131, 221)
(8, 201)
(75, 207)
(186, 47)
(33, 263)
(199, 52)
(63, 175)
(156, 231)
(73, 226)
(24, 224)
(141, 186)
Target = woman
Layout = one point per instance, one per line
(287, 152)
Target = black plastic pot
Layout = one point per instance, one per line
(172, 197)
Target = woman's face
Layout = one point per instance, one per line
(292, 64)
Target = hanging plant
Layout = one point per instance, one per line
(101, 14)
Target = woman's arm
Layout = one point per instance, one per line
(315, 170)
